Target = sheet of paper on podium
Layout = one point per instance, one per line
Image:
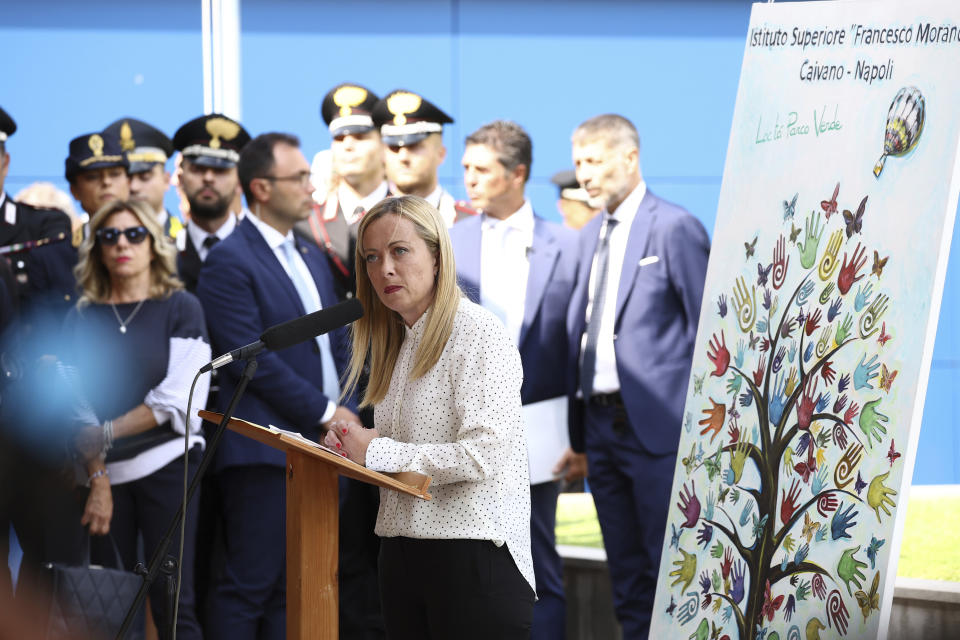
(547, 436)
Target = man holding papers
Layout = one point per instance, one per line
(523, 268)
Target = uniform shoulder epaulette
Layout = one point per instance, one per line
(461, 206)
(180, 239)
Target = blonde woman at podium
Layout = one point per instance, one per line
(445, 387)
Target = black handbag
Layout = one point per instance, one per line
(91, 601)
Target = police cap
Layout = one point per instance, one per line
(213, 140)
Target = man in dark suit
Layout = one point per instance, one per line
(258, 277)
(523, 269)
(632, 325)
(210, 146)
(358, 179)
(148, 150)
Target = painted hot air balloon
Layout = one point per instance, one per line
(904, 125)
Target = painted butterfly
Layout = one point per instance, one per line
(886, 377)
(859, 485)
(884, 336)
(869, 601)
(893, 454)
(878, 264)
(762, 274)
(750, 247)
(794, 232)
(830, 206)
(854, 222)
(790, 207)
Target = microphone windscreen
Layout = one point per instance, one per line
(311, 325)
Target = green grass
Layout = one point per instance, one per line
(929, 544)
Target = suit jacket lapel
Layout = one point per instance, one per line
(470, 236)
(264, 254)
(636, 249)
(543, 259)
(589, 239)
(311, 258)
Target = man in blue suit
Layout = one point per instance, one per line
(632, 325)
(523, 268)
(257, 277)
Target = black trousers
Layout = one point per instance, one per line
(145, 508)
(452, 590)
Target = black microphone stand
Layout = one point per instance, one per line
(160, 562)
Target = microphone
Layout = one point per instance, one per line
(294, 332)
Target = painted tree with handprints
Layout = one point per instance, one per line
(788, 423)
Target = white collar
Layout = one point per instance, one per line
(198, 235)
(435, 196)
(3, 198)
(273, 237)
(522, 219)
(349, 202)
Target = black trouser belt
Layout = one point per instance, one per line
(607, 399)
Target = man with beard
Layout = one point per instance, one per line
(261, 276)
(211, 147)
(148, 150)
(359, 182)
(631, 327)
(412, 131)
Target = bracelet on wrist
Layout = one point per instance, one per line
(99, 473)
(107, 428)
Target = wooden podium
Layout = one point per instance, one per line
(313, 522)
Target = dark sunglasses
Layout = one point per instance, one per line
(111, 235)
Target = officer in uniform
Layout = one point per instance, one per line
(210, 146)
(23, 228)
(96, 169)
(412, 131)
(573, 201)
(148, 150)
(359, 182)
(32, 443)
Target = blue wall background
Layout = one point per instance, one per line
(671, 67)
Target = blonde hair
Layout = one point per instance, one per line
(45, 195)
(93, 279)
(380, 332)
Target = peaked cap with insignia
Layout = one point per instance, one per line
(94, 151)
(144, 144)
(347, 109)
(213, 140)
(405, 118)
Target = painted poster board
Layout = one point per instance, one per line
(817, 327)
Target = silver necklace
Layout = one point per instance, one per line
(124, 323)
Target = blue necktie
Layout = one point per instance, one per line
(331, 383)
(588, 367)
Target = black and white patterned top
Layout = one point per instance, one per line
(152, 363)
(461, 424)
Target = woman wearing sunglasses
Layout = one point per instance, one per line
(136, 339)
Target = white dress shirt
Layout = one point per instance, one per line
(198, 235)
(349, 201)
(505, 266)
(275, 240)
(605, 379)
(461, 424)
